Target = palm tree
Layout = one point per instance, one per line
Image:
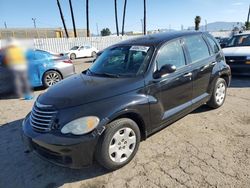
(87, 17)
(124, 14)
(197, 22)
(73, 18)
(116, 19)
(61, 14)
(247, 22)
(145, 14)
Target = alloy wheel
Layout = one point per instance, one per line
(220, 93)
(52, 78)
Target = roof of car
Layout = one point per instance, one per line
(156, 39)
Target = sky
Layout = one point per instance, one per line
(161, 14)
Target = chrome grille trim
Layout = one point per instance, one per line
(41, 117)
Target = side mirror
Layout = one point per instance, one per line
(165, 69)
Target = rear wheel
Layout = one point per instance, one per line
(50, 78)
(93, 54)
(119, 144)
(219, 94)
(72, 56)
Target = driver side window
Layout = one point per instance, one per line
(172, 53)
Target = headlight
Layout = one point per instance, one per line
(81, 126)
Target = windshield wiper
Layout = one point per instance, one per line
(110, 75)
(104, 74)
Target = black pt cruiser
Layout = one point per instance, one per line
(133, 89)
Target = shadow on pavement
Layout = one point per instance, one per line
(19, 168)
(240, 82)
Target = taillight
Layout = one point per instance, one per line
(67, 61)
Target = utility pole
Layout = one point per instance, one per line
(61, 14)
(73, 18)
(144, 25)
(124, 15)
(34, 22)
(5, 25)
(97, 29)
(87, 17)
(205, 25)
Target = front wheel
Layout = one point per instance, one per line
(219, 94)
(119, 144)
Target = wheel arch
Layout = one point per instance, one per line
(226, 78)
(135, 117)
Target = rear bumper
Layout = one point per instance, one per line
(73, 152)
(66, 69)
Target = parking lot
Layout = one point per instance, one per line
(207, 148)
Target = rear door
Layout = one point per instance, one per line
(202, 62)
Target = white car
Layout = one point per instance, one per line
(82, 51)
(237, 54)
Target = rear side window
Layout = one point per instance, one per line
(171, 53)
(197, 48)
(213, 44)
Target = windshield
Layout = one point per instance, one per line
(74, 48)
(122, 61)
(239, 40)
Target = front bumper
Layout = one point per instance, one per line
(240, 69)
(73, 152)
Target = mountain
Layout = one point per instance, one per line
(218, 26)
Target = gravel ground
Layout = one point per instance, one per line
(207, 148)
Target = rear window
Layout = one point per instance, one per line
(213, 44)
(197, 48)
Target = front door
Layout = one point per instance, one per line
(170, 95)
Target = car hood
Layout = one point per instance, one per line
(81, 89)
(237, 51)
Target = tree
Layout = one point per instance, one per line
(62, 18)
(73, 18)
(144, 19)
(87, 17)
(197, 22)
(124, 14)
(247, 25)
(105, 32)
(116, 18)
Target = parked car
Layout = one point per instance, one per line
(134, 89)
(45, 69)
(237, 54)
(82, 51)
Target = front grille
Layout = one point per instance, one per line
(236, 59)
(42, 117)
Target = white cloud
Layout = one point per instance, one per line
(237, 3)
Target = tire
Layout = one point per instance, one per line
(113, 150)
(219, 94)
(94, 54)
(50, 78)
(73, 56)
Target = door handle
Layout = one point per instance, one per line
(188, 74)
(204, 67)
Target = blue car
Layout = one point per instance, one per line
(45, 69)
